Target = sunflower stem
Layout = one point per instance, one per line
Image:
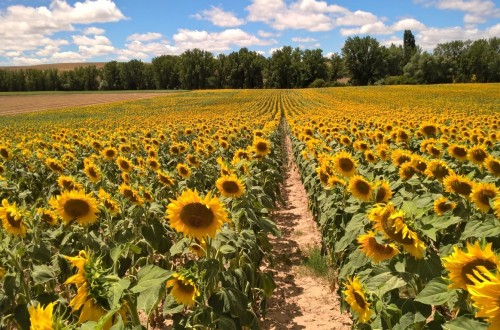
(132, 309)
(21, 274)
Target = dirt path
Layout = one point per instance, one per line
(301, 300)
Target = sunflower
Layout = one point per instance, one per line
(90, 283)
(164, 178)
(355, 297)
(41, 318)
(419, 163)
(492, 165)
(108, 202)
(458, 184)
(153, 163)
(360, 188)
(12, 219)
(323, 174)
(193, 160)
(462, 265)
(374, 250)
(230, 186)
(383, 192)
(75, 205)
(131, 194)
(429, 129)
(477, 155)
(442, 205)
(54, 164)
(184, 290)
(47, 216)
(334, 181)
(407, 170)
(261, 146)
(5, 153)
(183, 170)
(224, 168)
(370, 157)
(198, 247)
(383, 151)
(399, 157)
(438, 169)
(485, 295)
(482, 194)
(109, 153)
(93, 172)
(458, 152)
(124, 164)
(344, 163)
(392, 225)
(196, 217)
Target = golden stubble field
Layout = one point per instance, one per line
(15, 104)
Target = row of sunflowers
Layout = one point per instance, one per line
(144, 213)
(404, 184)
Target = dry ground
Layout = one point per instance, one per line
(15, 104)
(301, 300)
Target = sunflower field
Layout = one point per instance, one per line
(154, 212)
(404, 184)
(139, 213)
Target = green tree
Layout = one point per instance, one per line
(336, 67)
(111, 78)
(409, 46)
(195, 69)
(280, 68)
(166, 71)
(364, 60)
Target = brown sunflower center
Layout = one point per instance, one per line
(484, 196)
(230, 187)
(47, 218)
(323, 177)
(362, 187)
(92, 172)
(495, 167)
(409, 171)
(461, 187)
(4, 153)
(16, 223)
(429, 130)
(76, 208)
(443, 207)
(346, 165)
(469, 268)
(68, 185)
(197, 215)
(381, 193)
(125, 165)
(262, 146)
(381, 248)
(183, 171)
(359, 299)
(459, 152)
(187, 288)
(402, 159)
(110, 153)
(55, 167)
(479, 155)
(440, 171)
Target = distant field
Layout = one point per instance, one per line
(16, 103)
(58, 66)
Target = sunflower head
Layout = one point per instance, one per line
(261, 147)
(230, 186)
(375, 250)
(41, 318)
(407, 170)
(458, 184)
(109, 153)
(492, 165)
(12, 219)
(54, 164)
(485, 294)
(464, 264)
(458, 152)
(344, 163)
(429, 129)
(442, 205)
(183, 170)
(438, 169)
(356, 298)
(131, 194)
(195, 216)
(75, 205)
(5, 153)
(93, 172)
(477, 155)
(153, 163)
(399, 157)
(383, 192)
(48, 216)
(361, 188)
(184, 289)
(482, 193)
(124, 164)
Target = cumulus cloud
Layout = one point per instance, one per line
(429, 38)
(380, 28)
(476, 11)
(218, 17)
(144, 36)
(93, 30)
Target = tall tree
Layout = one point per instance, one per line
(111, 76)
(166, 71)
(280, 68)
(409, 46)
(364, 60)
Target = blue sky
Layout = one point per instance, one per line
(52, 31)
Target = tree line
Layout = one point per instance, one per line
(363, 60)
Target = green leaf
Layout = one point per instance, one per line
(426, 268)
(465, 323)
(227, 249)
(180, 246)
(385, 282)
(435, 293)
(149, 299)
(42, 274)
(355, 226)
(170, 306)
(480, 229)
(149, 277)
(116, 291)
(224, 322)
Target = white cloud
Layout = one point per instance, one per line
(380, 28)
(22, 60)
(218, 17)
(93, 30)
(306, 40)
(86, 41)
(145, 36)
(217, 41)
(66, 57)
(265, 34)
(476, 11)
(429, 38)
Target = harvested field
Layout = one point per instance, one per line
(15, 104)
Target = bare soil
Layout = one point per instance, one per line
(16, 104)
(301, 300)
